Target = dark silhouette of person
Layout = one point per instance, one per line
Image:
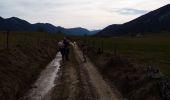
(66, 49)
(61, 49)
(84, 51)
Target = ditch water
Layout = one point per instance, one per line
(45, 82)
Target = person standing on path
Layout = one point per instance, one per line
(84, 51)
(66, 49)
(61, 49)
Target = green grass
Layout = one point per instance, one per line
(148, 50)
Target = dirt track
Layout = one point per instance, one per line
(79, 80)
(100, 88)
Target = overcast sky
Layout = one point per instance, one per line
(91, 14)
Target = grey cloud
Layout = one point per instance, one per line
(129, 11)
(72, 12)
(41, 6)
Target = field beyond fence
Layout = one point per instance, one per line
(141, 51)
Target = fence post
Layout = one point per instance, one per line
(87, 41)
(102, 47)
(115, 50)
(93, 43)
(7, 39)
(38, 42)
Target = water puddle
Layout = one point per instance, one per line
(45, 82)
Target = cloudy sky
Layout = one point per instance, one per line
(91, 14)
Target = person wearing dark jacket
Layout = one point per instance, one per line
(61, 49)
(66, 49)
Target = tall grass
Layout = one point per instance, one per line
(34, 37)
(21, 64)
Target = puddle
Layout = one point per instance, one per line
(45, 82)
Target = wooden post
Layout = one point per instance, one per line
(38, 42)
(93, 44)
(7, 39)
(115, 50)
(87, 41)
(102, 47)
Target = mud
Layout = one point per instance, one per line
(46, 81)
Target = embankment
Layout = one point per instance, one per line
(132, 81)
(21, 65)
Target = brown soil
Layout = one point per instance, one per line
(81, 81)
(69, 84)
(101, 89)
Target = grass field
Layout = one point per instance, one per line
(20, 37)
(149, 50)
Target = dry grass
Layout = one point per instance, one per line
(20, 66)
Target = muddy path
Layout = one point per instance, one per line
(71, 80)
(100, 88)
(45, 83)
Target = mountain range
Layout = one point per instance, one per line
(152, 22)
(16, 24)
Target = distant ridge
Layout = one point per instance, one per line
(16, 24)
(154, 21)
(76, 31)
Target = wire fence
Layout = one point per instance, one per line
(100, 46)
(152, 72)
(10, 39)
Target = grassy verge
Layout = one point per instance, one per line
(20, 66)
(132, 82)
